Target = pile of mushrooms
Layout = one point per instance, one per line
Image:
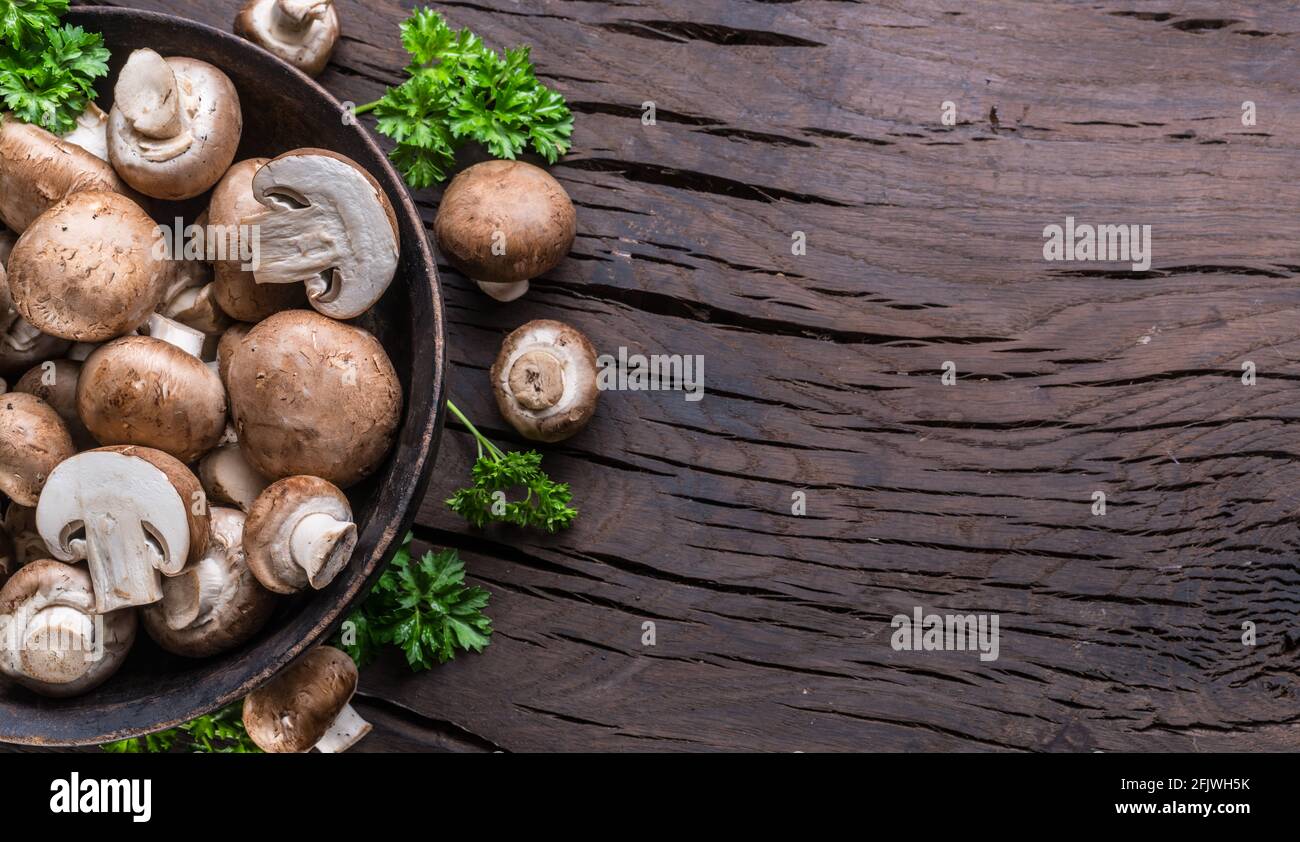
(177, 436)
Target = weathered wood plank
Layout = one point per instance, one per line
(924, 246)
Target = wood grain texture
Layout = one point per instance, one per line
(823, 374)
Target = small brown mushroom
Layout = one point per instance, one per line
(53, 640)
(55, 382)
(502, 223)
(33, 441)
(237, 291)
(216, 604)
(545, 380)
(175, 125)
(307, 705)
(299, 533)
(39, 170)
(145, 391)
(133, 513)
(313, 396)
(89, 269)
(302, 32)
(326, 223)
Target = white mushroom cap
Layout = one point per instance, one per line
(131, 513)
(216, 604)
(545, 380)
(328, 224)
(307, 705)
(33, 441)
(51, 640)
(228, 478)
(299, 533)
(175, 125)
(302, 32)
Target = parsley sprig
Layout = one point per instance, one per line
(220, 732)
(497, 472)
(47, 71)
(422, 607)
(24, 20)
(460, 90)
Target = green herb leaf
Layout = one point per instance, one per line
(422, 607)
(51, 84)
(497, 474)
(220, 732)
(24, 20)
(460, 90)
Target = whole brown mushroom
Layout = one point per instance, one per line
(307, 705)
(33, 441)
(144, 391)
(91, 268)
(55, 382)
(502, 223)
(299, 534)
(544, 380)
(313, 396)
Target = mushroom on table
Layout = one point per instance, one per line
(502, 223)
(545, 380)
(307, 706)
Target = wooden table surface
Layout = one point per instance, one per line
(824, 375)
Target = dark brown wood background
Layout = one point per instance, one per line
(924, 245)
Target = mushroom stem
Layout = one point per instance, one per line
(122, 561)
(297, 16)
(322, 545)
(190, 597)
(148, 95)
(348, 727)
(504, 292)
(22, 335)
(58, 647)
(176, 334)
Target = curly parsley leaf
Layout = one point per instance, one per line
(52, 82)
(423, 607)
(220, 732)
(24, 20)
(497, 473)
(461, 90)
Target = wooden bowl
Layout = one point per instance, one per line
(283, 110)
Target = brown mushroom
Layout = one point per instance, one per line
(133, 513)
(302, 32)
(39, 170)
(307, 705)
(33, 441)
(55, 382)
(299, 533)
(216, 604)
(89, 269)
(21, 344)
(142, 390)
(545, 380)
(313, 396)
(502, 223)
(53, 640)
(235, 290)
(175, 125)
(326, 223)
